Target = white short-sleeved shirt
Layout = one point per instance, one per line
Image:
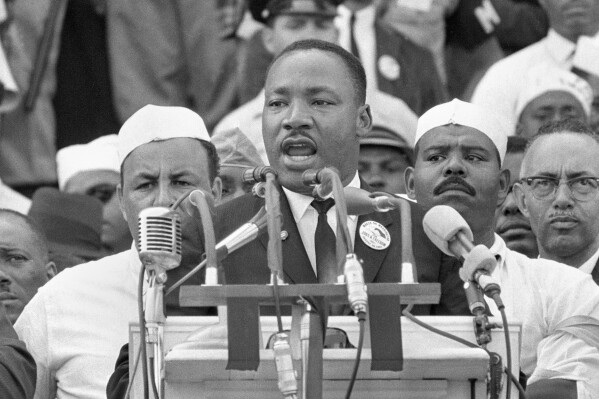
(77, 323)
(559, 309)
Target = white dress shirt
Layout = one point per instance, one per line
(306, 219)
(559, 309)
(76, 324)
(500, 87)
(365, 36)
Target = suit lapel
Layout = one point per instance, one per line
(296, 264)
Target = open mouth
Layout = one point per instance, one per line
(299, 149)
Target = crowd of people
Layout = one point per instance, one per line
(201, 91)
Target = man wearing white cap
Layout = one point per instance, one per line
(572, 41)
(460, 148)
(75, 326)
(93, 169)
(551, 94)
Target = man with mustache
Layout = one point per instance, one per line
(460, 149)
(75, 326)
(564, 217)
(510, 223)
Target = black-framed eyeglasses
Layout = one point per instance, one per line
(583, 188)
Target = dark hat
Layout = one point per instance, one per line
(262, 10)
(72, 222)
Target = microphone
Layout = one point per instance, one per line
(257, 174)
(448, 230)
(321, 179)
(243, 235)
(356, 286)
(360, 202)
(159, 239)
(159, 245)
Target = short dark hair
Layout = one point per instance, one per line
(213, 161)
(569, 125)
(516, 145)
(353, 65)
(41, 240)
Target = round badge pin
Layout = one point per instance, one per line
(375, 235)
(389, 67)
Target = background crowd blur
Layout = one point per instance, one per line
(71, 72)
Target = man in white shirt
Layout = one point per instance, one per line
(564, 217)
(569, 21)
(460, 149)
(75, 326)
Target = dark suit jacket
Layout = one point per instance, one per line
(595, 273)
(419, 84)
(248, 265)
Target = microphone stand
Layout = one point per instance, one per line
(155, 318)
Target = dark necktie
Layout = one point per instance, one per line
(352, 38)
(325, 244)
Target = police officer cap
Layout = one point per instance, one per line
(262, 10)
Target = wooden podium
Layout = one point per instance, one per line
(433, 367)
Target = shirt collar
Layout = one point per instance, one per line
(499, 249)
(589, 265)
(559, 47)
(366, 16)
(300, 203)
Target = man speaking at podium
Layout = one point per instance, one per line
(314, 114)
(459, 151)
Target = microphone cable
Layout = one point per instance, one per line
(507, 369)
(361, 320)
(142, 330)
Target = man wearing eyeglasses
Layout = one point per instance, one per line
(460, 162)
(559, 183)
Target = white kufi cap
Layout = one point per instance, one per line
(99, 154)
(461, 113)
(157, 123)
(543, 79)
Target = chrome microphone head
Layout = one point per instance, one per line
(159, 238)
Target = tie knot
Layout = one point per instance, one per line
(322, 207)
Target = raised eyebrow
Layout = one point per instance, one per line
(574, 175)
(436, 148)
(468, 148)
(145, 176)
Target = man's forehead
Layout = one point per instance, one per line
(572, 152)
(304, 59)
